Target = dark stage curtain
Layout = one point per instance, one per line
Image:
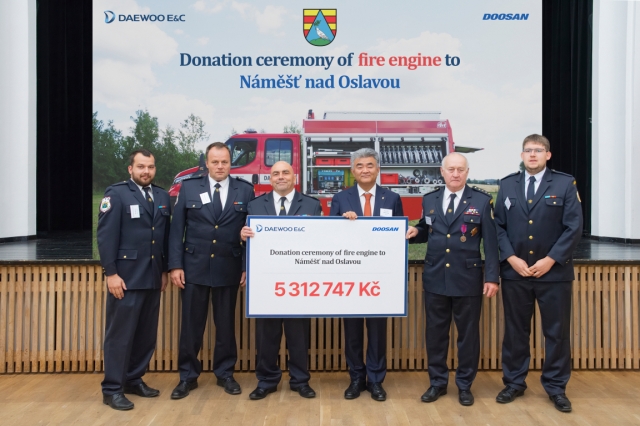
(65, 104)
(566, 90)
(64, 55)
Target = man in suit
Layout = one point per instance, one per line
(206, 260)
(454, 221)
(284, 200)
(539, 223)
(133, 231)
(366, 198)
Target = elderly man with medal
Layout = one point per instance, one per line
(455, 219)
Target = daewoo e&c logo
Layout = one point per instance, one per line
(260, 228)
(110, 16)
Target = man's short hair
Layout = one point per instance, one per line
(363, 153)
(217, 145)
(539, 139)
(142, 151)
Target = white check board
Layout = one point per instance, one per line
(309, 266)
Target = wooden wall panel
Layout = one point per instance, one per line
(52, 320)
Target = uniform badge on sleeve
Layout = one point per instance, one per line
(105, 204)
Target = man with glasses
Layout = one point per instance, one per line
(539, 223)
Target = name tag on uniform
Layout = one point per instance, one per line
(205, 198)
(135, 211)
(386, 212)
(427, 220)
(507, 203)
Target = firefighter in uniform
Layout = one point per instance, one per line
(539, 223)
(366, 198)
(133, 231)
(284, 200)
(455, 220)
(206, 258)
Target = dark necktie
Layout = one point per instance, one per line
(450, 209)
(217, 202)
(531, 190)
(283, 211)
(147, 195)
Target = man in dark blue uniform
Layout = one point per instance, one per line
(206, 260)
(284, 200)
(133, 231)
(539, 223)
(454, 221)
(366, 198)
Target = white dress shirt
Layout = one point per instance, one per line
(538, 177)
(447, 199)
(224, 189)
(363, 199)
(142, 190)
(287, 201)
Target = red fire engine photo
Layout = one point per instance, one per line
(411, 146)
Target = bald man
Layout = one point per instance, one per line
(455, 219)
(284, 200)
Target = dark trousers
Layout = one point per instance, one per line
(130, 338)
(554, 300)
(376, 366)
(466, 314)
(195, 306)
(268, 337)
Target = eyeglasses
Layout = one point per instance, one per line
(536, 150)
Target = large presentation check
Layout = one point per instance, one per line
(307, 266)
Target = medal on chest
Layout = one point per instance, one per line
(463, 229)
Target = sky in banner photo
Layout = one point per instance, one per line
(492, 97)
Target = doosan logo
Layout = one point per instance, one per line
(505, 17)
(385, 229)
(110, 16)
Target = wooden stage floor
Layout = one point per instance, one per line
(598, 398)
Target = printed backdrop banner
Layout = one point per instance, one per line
(176, 75)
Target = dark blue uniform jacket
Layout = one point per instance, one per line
(454, 267)
(135, 249)
(550, 226)
(209, 250)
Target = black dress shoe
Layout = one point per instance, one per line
(433, 393)
(377, 391)
(142, 390)
(117, 401)
(465, 397)
(561, 402)
(230, 385)
(305, 391)
(183, 389)
(261, 393)
(508, 394)
(354, 389)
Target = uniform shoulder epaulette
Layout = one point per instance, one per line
(562, 173)
(309, 196)
(437, 188)
(259, 196)
(245, 181)
(480, 190)
(511, 175)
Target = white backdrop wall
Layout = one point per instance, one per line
(18, 118)
(616, 119)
